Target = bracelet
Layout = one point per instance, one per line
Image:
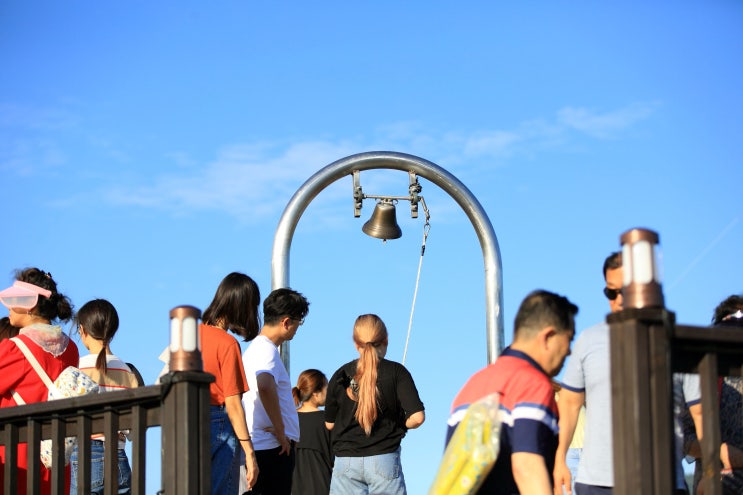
(243, 439)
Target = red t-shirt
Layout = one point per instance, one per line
(221, 355)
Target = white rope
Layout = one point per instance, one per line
(426, 229)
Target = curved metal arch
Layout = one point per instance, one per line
(424, 168)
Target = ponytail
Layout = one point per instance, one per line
(100, 362)
(366, 378)
(369, 333)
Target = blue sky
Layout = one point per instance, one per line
(148, 149)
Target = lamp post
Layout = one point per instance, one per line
(185, 339)
(641, 266)
(186, 463)
(641, 373)
(354, 164)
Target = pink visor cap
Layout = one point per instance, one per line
(22, 295)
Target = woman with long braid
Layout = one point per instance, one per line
(371, 404)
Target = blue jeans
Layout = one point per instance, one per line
(572, 459)
(96, 470)
(225, 453)
(377, 474)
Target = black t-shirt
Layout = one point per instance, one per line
(397, 400)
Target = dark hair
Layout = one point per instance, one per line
(54, 307)
(725, 309)
(6, 329)
(612, 262)
(100, 320)
(235, 306)
(542, 308)
(308, 382)
(282, 303)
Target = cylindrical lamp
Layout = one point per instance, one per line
(185, 339)
(642, 271)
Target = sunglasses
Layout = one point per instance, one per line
(612, 294)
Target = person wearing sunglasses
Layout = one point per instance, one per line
(269, 404)
(33, 304)
(587, 382)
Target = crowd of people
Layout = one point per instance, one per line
(538, 431)
(256, 415)
(343, 436)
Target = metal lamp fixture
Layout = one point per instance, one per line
(383, 222)
(642, 272)
(185, 339)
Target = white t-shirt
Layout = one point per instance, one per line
(262, 356)
(118, 377)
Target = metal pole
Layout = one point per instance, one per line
(404, 162)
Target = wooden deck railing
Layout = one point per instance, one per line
(647, 347)
(180, 405)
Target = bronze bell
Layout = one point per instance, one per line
(383, 222)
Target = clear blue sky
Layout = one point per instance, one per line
(147, 149)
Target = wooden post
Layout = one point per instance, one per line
(642, 402)
(186, 453)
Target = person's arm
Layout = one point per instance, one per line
(269, 397)
(234, 408)
(569, 408)
(414, 420)
(692, 446)
(530, 473)
(731, 457)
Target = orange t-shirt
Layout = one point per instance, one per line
(220, 353)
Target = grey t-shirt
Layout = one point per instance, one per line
(589, 370)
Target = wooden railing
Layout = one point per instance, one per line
(180, 405)
(647, 347)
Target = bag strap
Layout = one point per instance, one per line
(34, 363)
(18, 399)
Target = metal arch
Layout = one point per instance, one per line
(424, 168)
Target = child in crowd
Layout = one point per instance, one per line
(313, 458)
(97, 323)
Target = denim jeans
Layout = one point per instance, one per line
(572, 459)
(225, 453)
(96, 470)
(377, 474)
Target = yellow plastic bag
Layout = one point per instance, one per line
(471, 452)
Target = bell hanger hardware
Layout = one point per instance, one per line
(383, 222)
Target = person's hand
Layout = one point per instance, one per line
(561, 476)
(284, 443)
(251, 470)
(286, 446)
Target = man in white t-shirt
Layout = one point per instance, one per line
(269, 405)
